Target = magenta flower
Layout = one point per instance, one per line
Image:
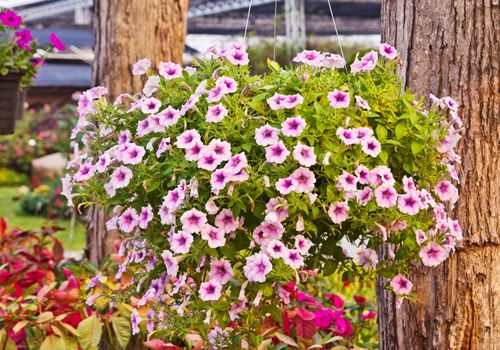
(193, 153)
(180, 242)
(339, 99)
(446, 191)
(277, 101)
(128, 221)
(311, 58)
(293, 127)
(302, 244)
(216, 113)
(420, 236)
(150, 105)
(237, 57)
(433, 254)
(226, 221)
(266, 135)
(347, 182)
(362, 173)
(121, 177)
(275, 249)
(219, 179)
(208, 159)
(170, 263)
(286, 185)
(409, 203)
(388, 51)
(371, 146)
(229, 84)
(169, 117)
(220, 271)
(294, 259)
(141, 67)
(193, 220)
(145, 216)
(23, 38)
(386, 196)
(187, 139)
(347, 136)
(305, 180)
(369, 315)
(213, 235)
(236, 163)
(210, 291)
(85, 172)
(304, 155)
(277, 153)
(338, 212)
(401, 285)
(58, 44)
(170, 70)
(221, 148)
(257, 267)
(10, 19)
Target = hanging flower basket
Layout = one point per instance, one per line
(11, 101)
(226, 185)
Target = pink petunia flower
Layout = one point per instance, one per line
(187, 139)
(386, 196)
(141, 67)
(333, 61)
(371, 146)
(294, 259)
(85, 172)
(304, 155)
(272, 229)
(277, 101)
(150, 105)
(363, 174)
(145, 216)
(278, 207)
(216, 113)
(162, 146)
(226, 221)
(229, 84)
(170, 263)
(362, 134)
(293, 127)
(361, 103)
(305, 180)
(237, 57)
(388, 51)
(366, 258)
(369, 315)
(286, 185)
(193, 220)
(208, 159)
(180, 242)
(193, 153)
(257, 267)
(311, 58)
(170, 70)
(216, 94)
(401, 285)
(338, 212)
(221, 148)
(368, 62)
(213, 235)
(266, 135)
(190, 103)
(347, 182)
(433, 254)
(446, 191)
(169, 116)
(220, 271)
(132, 154)
(347, 136)
(128, 221)
(236, 163)
(451, 103)
(409, 203)
(210, 291)
(144, 127)
(339, 99)
(364, 196)
(58, 44)
(275, 249)
(302, 244)
(277, 153)
(219, 179)
(10, 19)
(420, 236)
(152, 85)
(292, 101)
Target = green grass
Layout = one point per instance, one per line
(10, 211)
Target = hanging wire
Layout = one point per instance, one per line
(337, 33)
(275, 26)
(248, 20)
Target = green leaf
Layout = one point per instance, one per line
(122, 329)
(381, 132)
(273, 65)
(400, 131)
(53, 342)
(330, 267)
(384, 156)
(286, 339)
(90, 332)
(417, 147)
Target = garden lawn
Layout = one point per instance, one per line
(10, 211)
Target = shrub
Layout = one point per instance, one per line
(225, 184)
(12, 178)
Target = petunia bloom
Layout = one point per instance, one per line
(257, 267)
(266, 135)
(216, 113)
(193, 220)
(180, 242)
(388, 51)
(170, 70)
(210, 291)
(213, 235)
(433, 254)
(58, 44)
(338, 212)
(277, 153)
(141, 67)
(339, 99)
(293, 127)
(304, 155)
(401, 285)
(220, 271)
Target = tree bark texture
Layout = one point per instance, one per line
(126, 31)
(451, 47)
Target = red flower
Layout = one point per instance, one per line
(359, 299)
(337, 301)
(370, 314)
